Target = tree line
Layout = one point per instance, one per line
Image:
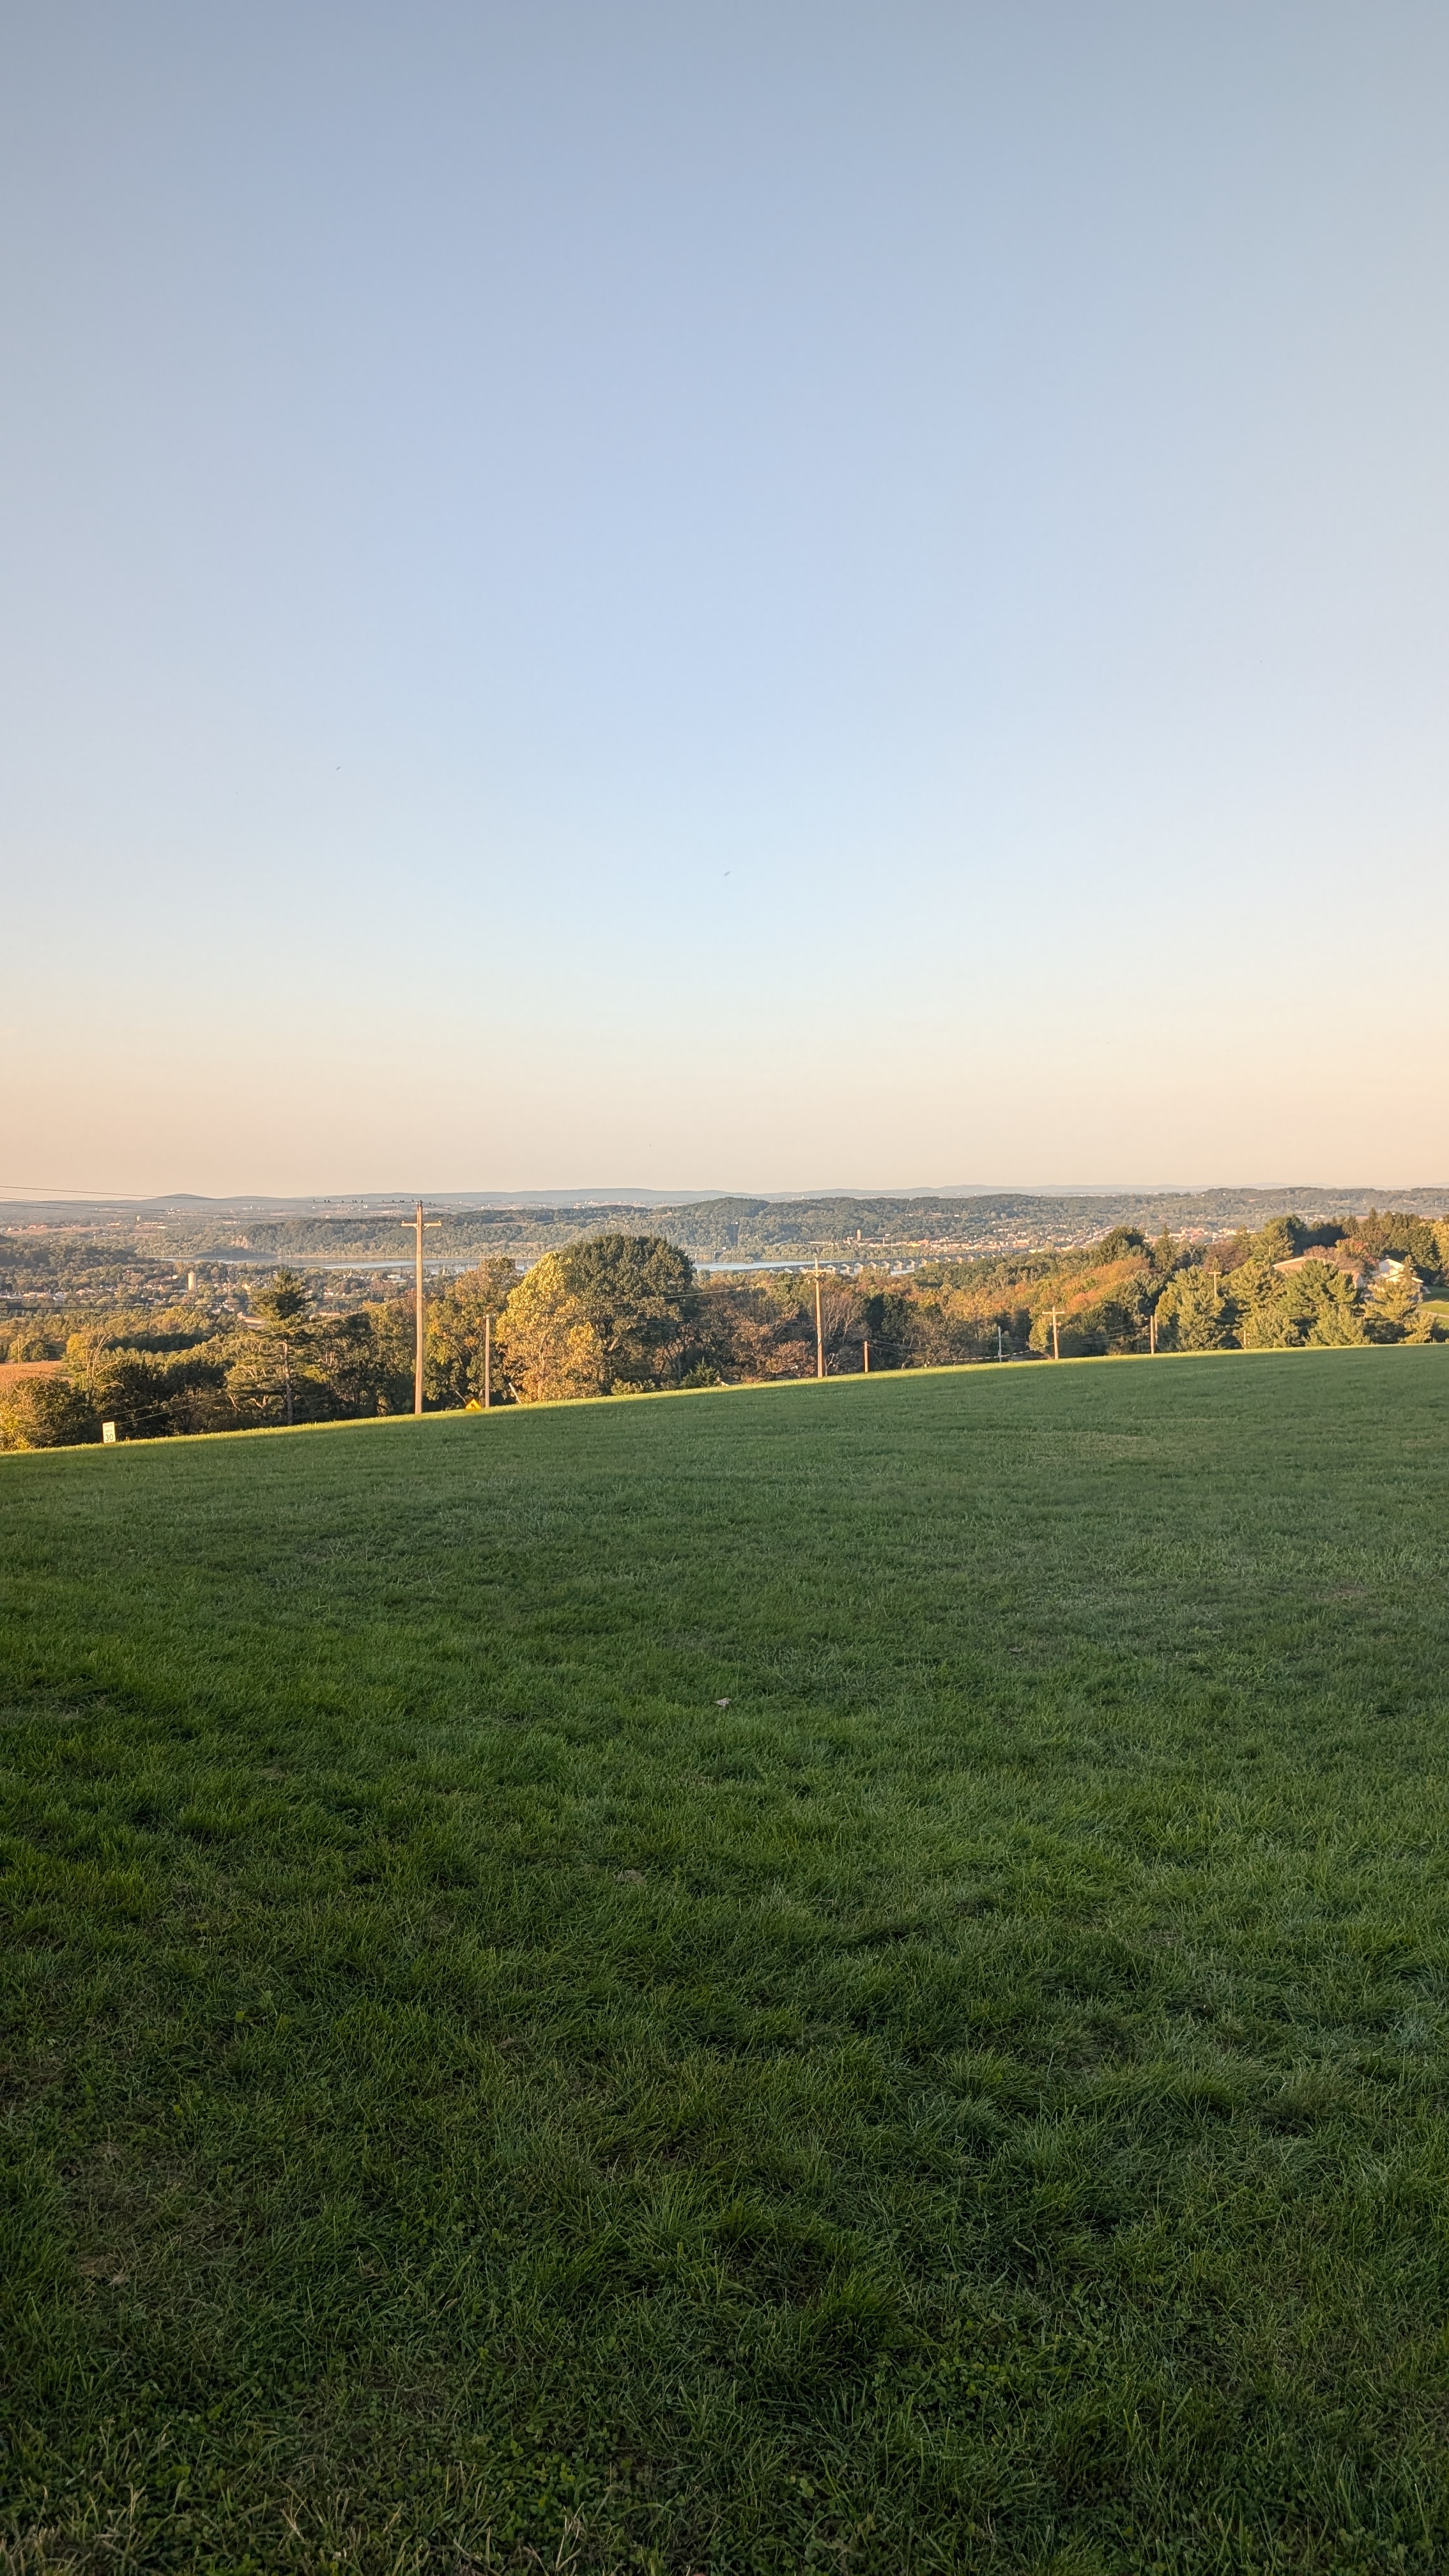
(625, 1312)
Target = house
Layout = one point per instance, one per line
(1388, 1272)
(1332, 1257)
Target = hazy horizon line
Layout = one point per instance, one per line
(642, 1195)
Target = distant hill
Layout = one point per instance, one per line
(737, 1228)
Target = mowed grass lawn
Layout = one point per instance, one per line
(977, 2100)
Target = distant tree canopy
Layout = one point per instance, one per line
(1404, 1238)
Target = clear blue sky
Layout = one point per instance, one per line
(763, 595)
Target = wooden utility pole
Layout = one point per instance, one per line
(1152, 1332)
(1056, 1338)
(487, 1362)
(418, 1221)
(865, 1347)
(819, 1331)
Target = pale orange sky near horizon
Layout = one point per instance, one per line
(839, 597)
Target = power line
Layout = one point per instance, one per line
(62, 1190)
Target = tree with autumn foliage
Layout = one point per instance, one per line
(46, 1413)
(457, 1335)
(616, 1312)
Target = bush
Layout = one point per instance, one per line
(150, 1395)
(46, 1413)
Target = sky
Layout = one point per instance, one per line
(771, 596)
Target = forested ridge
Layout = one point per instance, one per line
(728, 1227)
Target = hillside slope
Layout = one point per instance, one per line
(841, 1976)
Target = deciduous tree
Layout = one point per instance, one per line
(617, 1311)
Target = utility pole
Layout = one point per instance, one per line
(1056, 1337)
(819, 1332)
(1152, 1332)
(1000, 1353)
(418, 1221)
(865, 1346)
(487, 1362)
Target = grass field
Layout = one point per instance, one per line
(975, 2100)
